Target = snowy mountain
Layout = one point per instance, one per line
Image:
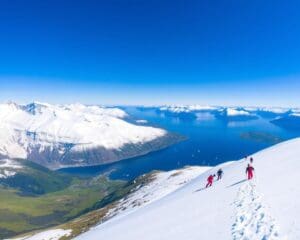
(244, 110)
(235, 114)
(186, 108)
(266, 207)
(231, 112)
(281, 116)
(224, 113)
(74, 135)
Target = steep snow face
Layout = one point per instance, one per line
(267, 207)
(59, 135)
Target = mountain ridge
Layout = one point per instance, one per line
(59, 136)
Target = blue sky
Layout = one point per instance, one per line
(151, 52)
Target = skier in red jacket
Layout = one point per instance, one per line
(249, 171)
(210, 180)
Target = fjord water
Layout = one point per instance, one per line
(210, 141)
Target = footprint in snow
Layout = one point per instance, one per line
(252, 220)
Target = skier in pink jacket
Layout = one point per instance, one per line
(249, 171)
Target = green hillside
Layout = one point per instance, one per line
(36, 197)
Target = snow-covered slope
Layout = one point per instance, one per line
(52, 234)
(73, 135)
(265, 208)
(159, 185)
(153, 187)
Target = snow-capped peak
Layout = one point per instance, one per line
(235, 112)
(68, 132)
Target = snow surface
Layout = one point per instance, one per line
(234, 112)
(8, 168)
(252, 216)
(265, 208)
(161, 184)
(53, 234)
(44, 126)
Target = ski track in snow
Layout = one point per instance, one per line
(252, 221)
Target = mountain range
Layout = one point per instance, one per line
(58, 136)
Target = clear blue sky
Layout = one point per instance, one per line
(225, 52)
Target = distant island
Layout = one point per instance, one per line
(263, 137)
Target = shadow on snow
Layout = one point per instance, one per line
(239, 182)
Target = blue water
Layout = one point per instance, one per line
(210, 141)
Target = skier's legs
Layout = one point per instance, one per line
(250, 175)
(209, 184)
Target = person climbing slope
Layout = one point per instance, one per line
(210, 180)
(220, 173)
(251, 160)
(249, 171)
